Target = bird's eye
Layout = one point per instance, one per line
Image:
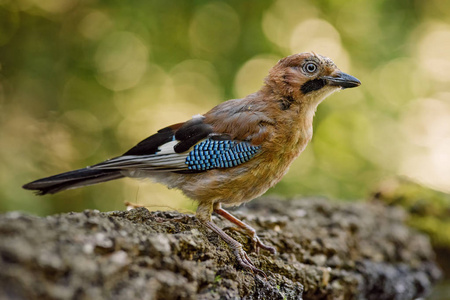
(310, 68)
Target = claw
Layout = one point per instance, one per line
(257, 244)
(246, 262)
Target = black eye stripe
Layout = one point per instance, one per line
(312, 85)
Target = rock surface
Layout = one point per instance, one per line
(327, 250)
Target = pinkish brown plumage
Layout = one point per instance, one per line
(233, 153)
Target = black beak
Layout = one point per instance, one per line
(343, 80)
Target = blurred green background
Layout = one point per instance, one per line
(84, 80)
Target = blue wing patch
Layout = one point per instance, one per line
(211, 154)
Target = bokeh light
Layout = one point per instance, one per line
(250, 77)
(121, 61)
(95, 24)
(434, 51)
(54, 6)
(214, 29)
(280, 20)
(426, 124)
(321, 37)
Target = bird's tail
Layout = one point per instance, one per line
(71, 180)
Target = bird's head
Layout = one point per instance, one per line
(308, 78)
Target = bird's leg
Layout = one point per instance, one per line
(204, 215)
(246, 229)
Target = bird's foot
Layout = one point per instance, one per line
(245, 229)
(260, 245)
(245, 261)
(241, 256)
(257, 244)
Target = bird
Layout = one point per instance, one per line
(231, 154)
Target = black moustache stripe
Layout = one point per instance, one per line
(312, 85)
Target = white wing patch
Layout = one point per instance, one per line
(164, 160)
(167, 148)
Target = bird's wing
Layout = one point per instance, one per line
(192, 146)
(242, 119)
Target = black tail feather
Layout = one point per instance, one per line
(71, 180)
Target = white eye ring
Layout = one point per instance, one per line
(310, 68)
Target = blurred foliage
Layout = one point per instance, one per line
(84, 80)
(429, 210)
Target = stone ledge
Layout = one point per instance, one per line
(327, 250)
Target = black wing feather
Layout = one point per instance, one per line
(191, 133)
(150, 145)
(187, 134)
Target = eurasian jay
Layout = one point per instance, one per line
(231, 154)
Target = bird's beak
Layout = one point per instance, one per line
(343, 80)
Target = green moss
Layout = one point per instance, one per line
(429, 210)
